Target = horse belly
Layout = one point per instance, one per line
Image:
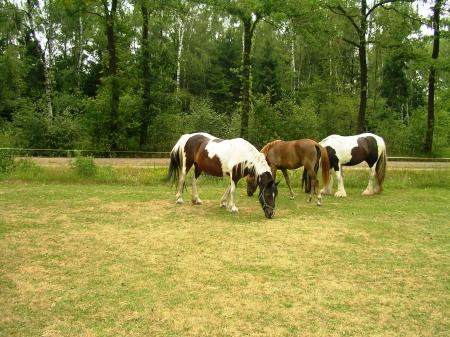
(211, 166)
(283, 158)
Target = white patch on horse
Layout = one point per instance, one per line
(232, 152)
(345, 144)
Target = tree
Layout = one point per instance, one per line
(31, 12)
(437, 9)
(358, 17)
(250, 13)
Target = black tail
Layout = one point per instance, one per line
(174, 166)
(306, 181)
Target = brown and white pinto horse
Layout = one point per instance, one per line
(352, 150)
(289, 155)
(217, 157)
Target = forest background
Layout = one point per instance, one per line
(133, 75)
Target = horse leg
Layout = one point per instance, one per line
(340, 181)
(195, 199)
(223, 200)
(231, 191)
(369, 190)
(314, 185)
(181, 179)
(288, 182)
(328, 189)
(231, 206)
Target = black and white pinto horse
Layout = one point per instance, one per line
(219, 158)
(353, 150)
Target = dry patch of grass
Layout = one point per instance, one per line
(99, 260)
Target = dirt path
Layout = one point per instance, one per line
(158, 162)
(117, 162)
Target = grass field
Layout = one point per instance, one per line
(117, 257)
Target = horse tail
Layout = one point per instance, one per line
(175, 164)
(380, 169)
(324, 163)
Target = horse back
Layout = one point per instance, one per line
(291, 154)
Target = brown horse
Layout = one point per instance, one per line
(294, 154)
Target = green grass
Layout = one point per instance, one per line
(113, 255)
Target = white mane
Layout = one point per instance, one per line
(232, 152)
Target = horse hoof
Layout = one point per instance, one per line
(179, 203)
(223, 206)
(234, 212)
(292, 198)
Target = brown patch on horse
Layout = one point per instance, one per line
(197, 155)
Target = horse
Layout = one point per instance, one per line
(219, 158)
(353, 150)
(288, 155)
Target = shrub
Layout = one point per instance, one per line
(6, 161)
(84, 166)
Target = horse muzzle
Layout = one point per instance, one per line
(269, 213)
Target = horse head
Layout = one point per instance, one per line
(251, 184)
(268, 191)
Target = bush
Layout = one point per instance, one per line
(84, 166)
(6, 161)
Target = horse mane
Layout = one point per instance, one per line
(268, 146)
(255, 160)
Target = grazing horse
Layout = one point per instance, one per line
(352, 150)
(217, 157)
(290, 155)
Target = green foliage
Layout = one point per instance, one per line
(84, 166)
(13, 72)
(338, 115)
(32, 128)
(304, 76)
(6, 161)
(202, 118)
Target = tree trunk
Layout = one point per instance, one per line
(112, 63)
(180, 49)
(145, 114)
(432, 77)
(47, 79)
(246, 80)
(363, 69)
(80, 53)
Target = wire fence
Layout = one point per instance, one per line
(56, 156)
(21, 152)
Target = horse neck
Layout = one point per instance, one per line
(264, 179)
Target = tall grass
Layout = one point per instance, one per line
(84, 170)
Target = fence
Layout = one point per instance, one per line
(103, 156)
(95, 153)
